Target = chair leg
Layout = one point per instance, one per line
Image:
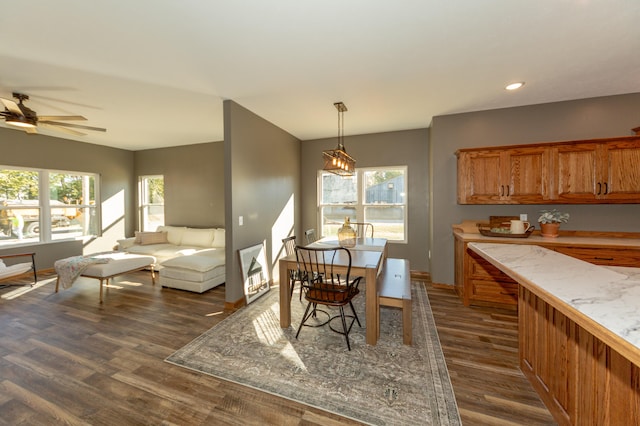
(354, 314)
(304, 318)
(344, 327)
(293, 286)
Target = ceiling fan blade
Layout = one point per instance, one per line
(77, 126)
(61, 129)
(12, 106)
(60, 117)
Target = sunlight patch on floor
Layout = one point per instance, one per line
(19, 291)
(269, 332)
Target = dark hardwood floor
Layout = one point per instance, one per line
(66, 359)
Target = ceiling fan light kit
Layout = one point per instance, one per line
(20, 121)
(19, 115)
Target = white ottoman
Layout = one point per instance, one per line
(197, 272)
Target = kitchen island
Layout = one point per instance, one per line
(579, 332)
(479, 283)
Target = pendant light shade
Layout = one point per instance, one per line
(337, 161)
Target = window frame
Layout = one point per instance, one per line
(44, 206)
(360, 204)
(143, 206)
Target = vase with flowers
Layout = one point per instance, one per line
(550, 221)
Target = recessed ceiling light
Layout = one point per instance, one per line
(515, 86)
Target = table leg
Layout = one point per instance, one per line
(285, 295)
(371, 305)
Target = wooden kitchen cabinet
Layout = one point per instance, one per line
(597, 172)
(503, 176)
(603, 255)
(576, 172)
(479, 283)
(487, 285)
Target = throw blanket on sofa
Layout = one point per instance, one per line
(70, 268)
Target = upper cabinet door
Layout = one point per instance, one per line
(576, 172)
(479, 177)
(620, 176)
(508, 176)
(527, 174)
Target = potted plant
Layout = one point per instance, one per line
(550, 221)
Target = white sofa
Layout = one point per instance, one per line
(187, 258)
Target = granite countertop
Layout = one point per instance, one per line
(605, 300)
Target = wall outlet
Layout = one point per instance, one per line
(523, 217)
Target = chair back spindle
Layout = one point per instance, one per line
(310, 235)
(289, 245)
(363, 229)
(294, 275)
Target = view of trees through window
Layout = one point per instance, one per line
(376, 195)
(151, 202)
(42, 205)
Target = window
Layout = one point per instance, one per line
(375, 195)
(44, 205)
(151, 190)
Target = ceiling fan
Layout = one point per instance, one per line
(19, 115)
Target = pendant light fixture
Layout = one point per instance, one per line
(337, 161)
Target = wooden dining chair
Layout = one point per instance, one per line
(363, 229)
(322, 286)
(294, 275)
(310, 235)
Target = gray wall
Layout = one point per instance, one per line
(572, 120)
(193, 182)
(405, 148)
(262, 181)
(115, 167)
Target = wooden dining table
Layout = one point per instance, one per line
(362, 243)
(364, 263)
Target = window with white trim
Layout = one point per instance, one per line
(46, 205)
(375, 195)
(151, 202)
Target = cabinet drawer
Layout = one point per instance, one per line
(603, 256)
(482, 269)
(495, 291)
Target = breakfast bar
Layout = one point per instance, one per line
(578, 331)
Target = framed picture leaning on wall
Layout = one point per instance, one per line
(255, 272)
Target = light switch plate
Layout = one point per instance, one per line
(240, 220)
(523, 216)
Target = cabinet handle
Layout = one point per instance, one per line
(603, 258)
(502, 190)
(508, 294)
(599, 188)
(508, 190)
(606, 188)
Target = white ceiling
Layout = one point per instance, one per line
(155, 72)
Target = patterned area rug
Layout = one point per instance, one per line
(386, 384)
